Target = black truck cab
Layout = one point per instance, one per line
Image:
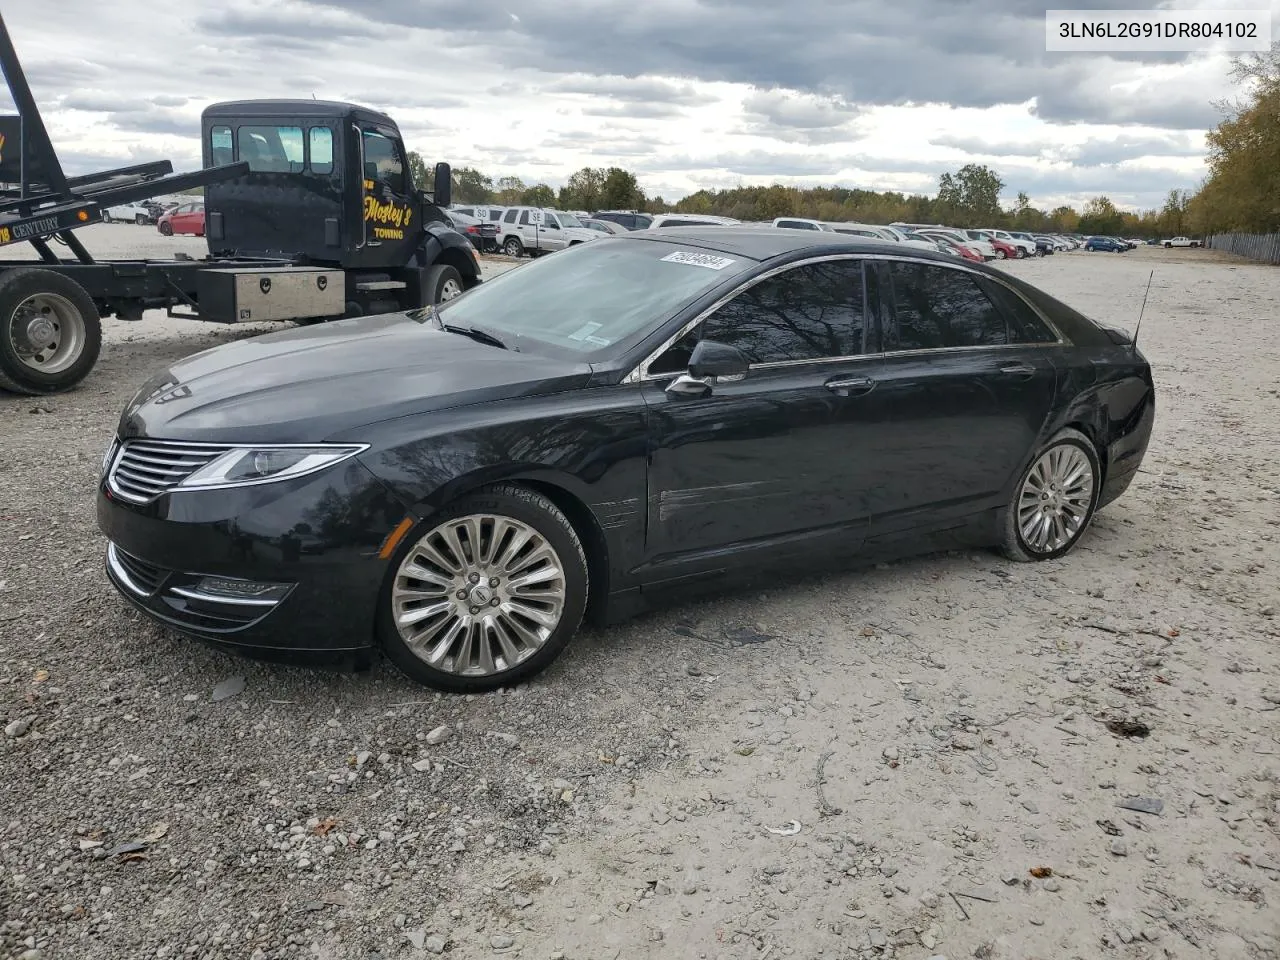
(329, 184)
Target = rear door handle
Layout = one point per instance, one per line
(1023, 371)
(851, 386)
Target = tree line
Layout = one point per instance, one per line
(1240, 193)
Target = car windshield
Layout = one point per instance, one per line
(596, 298)
(568, 220)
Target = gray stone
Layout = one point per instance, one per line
(500, 941)
(434, 944)
(228, 688)
(19, 728)
(439, 735)
(1119, 848)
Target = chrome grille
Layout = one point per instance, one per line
(144, 469)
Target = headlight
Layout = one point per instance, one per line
(109, 455)
(248, 465)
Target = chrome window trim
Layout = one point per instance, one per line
(640, 373)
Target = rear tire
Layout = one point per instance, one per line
(512, 247)
(50, 332)
(1054, 500)
(106, 218)
(463, 634)
(140, 220)
(444, 283)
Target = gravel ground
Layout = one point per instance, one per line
(949, 756)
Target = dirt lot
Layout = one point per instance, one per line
(884, 763)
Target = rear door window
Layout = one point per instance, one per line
(937, 308)
(321, 146)
(221, 146)
(524, 218)
(1025, 326)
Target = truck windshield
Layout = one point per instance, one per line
(569, 220)
(598, 298)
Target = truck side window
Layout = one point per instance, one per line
(321, 150)
(221, 146)
(382, 161)
(510, 217)
(271, 149)
(524, 217)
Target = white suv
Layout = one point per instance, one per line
(536, 230)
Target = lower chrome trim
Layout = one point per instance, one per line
(117, 569)
(191, 594)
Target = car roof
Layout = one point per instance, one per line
(756, 244)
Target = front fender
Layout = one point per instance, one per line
(591, 443)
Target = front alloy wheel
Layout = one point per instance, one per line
(1055, 500)
(487, 593)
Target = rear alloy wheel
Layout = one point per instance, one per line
(512, 247)
(50, 332)
(486, 593)
(1055, 500)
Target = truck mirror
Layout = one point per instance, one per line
(442, 192)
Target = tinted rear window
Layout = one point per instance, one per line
(1074, 325)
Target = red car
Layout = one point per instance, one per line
(184, 218)
(965, 251)
(1003, 250)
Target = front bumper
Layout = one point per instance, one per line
(317, 539)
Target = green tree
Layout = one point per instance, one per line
(422, 175)
(979, 188)
(510, 190)
(472, 186)
(1101, 217)
(582, 190)
(538, 196)
(620, 191)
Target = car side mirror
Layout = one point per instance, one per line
(442, 190)
(712, 359)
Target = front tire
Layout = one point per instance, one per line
(140, 220)
(50, 332)
(444, 283)
(1054, 501)
(512, 247)
(485, 593)
(166, 229)
(1000, 255)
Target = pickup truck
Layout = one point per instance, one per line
(1183, 242)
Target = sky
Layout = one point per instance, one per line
(688, 94)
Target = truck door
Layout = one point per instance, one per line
(390, 221)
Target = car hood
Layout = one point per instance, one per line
(322, 382)
(581, 233)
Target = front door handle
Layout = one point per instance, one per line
(1023, 371)
(851, 386)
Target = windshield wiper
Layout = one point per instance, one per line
(475, 333)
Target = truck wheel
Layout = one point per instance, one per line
(166, 228)
(512, 247)
(444, 283)
(106, 217)
(50, 332)
(140, 220)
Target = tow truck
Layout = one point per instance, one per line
(311, 214)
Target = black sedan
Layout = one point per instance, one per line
(460, 486)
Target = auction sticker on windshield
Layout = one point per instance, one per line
(707, 260)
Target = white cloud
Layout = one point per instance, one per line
(126, 81)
